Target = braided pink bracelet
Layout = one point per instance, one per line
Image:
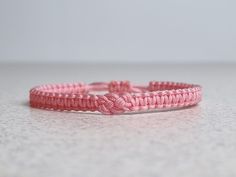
(122, 96)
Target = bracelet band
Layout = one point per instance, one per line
(122, 96)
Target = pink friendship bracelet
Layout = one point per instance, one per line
(122, 96)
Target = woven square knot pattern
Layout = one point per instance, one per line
(122, 96)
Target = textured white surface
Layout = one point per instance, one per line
(200, 141)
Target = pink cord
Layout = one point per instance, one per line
(122, 96)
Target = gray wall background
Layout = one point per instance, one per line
(117, 31)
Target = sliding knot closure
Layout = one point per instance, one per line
(119, 86)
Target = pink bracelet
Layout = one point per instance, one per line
(122, 96)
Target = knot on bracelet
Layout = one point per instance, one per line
(111, 103)
(119, 86)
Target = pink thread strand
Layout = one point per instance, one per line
(122, 96)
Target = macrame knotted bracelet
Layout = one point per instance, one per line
(122, 96)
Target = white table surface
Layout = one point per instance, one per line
(195, 142)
